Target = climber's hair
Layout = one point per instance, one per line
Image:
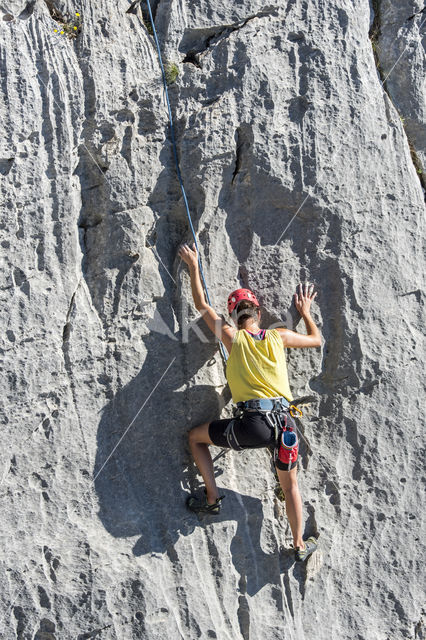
(243, 311)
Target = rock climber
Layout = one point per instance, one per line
(256, 372)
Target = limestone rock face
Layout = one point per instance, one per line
(401, 52)
(296, 167)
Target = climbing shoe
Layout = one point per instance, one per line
(200, 505)
(311, 545)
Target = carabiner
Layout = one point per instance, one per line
(299, 411)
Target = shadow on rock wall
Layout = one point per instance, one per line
(142, 483)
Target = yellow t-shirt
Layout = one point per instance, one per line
(257, 368)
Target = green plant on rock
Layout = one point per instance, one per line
(68, 26)
(279, 492)
(416, 161)
(172, 71)
(374, 35)
(148, 26)
(146, 18)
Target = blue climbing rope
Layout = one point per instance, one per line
(179, 175)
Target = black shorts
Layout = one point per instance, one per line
(252, 431)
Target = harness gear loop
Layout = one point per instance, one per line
(231, 438)
(271, 419)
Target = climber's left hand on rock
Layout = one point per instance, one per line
(188, 255)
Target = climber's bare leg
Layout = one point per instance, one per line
(198, 441)
(293, 504)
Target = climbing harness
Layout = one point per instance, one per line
(264, 405)
(279, 414)
(178, 172)
(231, 437)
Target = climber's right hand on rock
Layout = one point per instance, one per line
(188, 255)
(304, 297)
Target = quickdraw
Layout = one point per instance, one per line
(286, 440)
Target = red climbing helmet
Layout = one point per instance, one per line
(240, 294)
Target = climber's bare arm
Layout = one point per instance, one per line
(218, 325)
(215, 323)
(303, 300)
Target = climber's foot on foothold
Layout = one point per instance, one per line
(311, 545)
(200, 505)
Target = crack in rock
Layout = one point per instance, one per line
(195, 49)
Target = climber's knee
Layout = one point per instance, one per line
(200, 434)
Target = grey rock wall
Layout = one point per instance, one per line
(297, 166)
(401, 52)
